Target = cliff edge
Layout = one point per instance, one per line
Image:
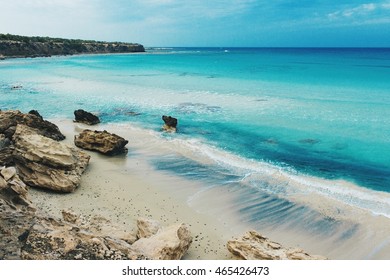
(12, 46)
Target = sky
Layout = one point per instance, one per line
(205, 23)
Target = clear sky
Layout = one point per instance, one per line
(216, 23)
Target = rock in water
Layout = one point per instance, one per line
(254, 246)
(44, 163)
(9, 120)
(86, 117)
(170, 123)
(101, 141)
(169, 243)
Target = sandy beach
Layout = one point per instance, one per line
(124, 188)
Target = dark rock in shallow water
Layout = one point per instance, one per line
(10, 119)
(86, 117)
(170, 123)
(101, 141)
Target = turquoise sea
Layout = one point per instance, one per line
(276, 122)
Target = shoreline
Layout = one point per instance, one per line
(4, 58)
(27, 46)
(124, 188)
(110, 188)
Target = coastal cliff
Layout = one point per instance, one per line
(21, 46)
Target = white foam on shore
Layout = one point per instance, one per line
(272, 179)
(334, 229)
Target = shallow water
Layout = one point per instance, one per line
(273, 126)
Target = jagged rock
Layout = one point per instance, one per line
(17, 189)
(70, 216)
(44, 163)
(6, 150)
(147, 227)
(78, 237)
(4, 142)
(9, 120)
(3, 183)
(36, 113)
(6, 158)
(98, 225)
(51, 239)
(254, 246)
(16, 212)
(25, 234)
(8, 173)
(170, 123)
(170, 243)
(101, 141)
(86, 117)
(102, 226)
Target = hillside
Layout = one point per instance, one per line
(23, 46)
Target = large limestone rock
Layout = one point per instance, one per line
(147, 227)
(170, 124)
(101, 226)
(77, 238)
(169, 243)
(254, 246)
(10, 119)
(45, 163)
(16, 214)
(86, 117)
(101, 141)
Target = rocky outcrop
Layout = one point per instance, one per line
(26, 233)
(170, 124)
(9, 120)
(44, 163)
(169, 243)
(22, 46)
(254, 246)
(77, 238)
(16, 212)
(101, 141)
(86, 117)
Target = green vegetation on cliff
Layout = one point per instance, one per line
(23, 46)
